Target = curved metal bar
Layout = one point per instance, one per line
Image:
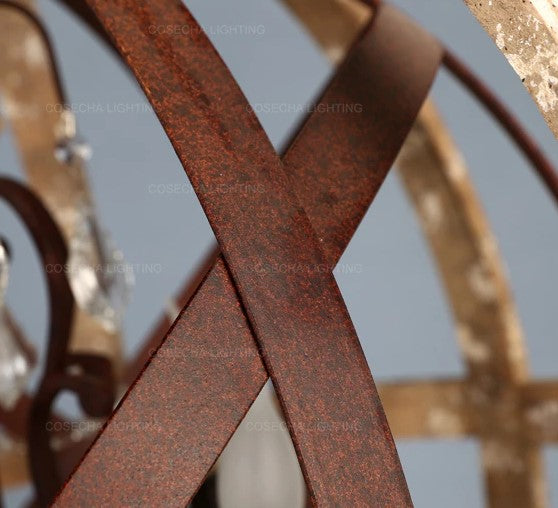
(436, 179)
(41, 120)
(507, 120)
(532, 151)
(52, 248)
(334, 213)
(87, 376)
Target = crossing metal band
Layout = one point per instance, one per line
(270, 299)
(268, 305)
(182, 410)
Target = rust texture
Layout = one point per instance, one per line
(282, 225)
(497, 402)
(186, 404)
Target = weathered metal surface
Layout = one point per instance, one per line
(158, 331)
(540, 411)
(422, 409)
(453, 410)
(221, 397)
(490, 402)
(419, 408)
(526, 32)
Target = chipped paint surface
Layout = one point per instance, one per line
(432, 211)
(442, 421)
(456, 167)
(527, 34)
(545, 416)
(541, 413)
(33, 50)
(488, 330)
(497, 456)
(482, 282)
(473, 348)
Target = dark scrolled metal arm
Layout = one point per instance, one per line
(88, 376)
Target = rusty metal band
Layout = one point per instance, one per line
(507, 120)
(185, 405)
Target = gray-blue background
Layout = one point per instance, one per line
(396, 302)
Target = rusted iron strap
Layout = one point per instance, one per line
(197, 388)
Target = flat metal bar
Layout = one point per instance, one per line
(368, 416)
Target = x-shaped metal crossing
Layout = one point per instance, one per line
(274, 281)
(269, 304)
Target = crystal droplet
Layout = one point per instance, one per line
(72, 151)
(101, 289)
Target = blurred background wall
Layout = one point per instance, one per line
(395, 298)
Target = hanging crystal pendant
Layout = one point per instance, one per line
(72, 151)
(14, 364)
(99, 277)
(71, 148)
(100, 282)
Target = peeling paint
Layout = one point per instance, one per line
(482, 283)
(442, 421)
(33, 50)
(432, 211)
(499, 457)
(526, 33)
(544, 415)
(474, 349)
